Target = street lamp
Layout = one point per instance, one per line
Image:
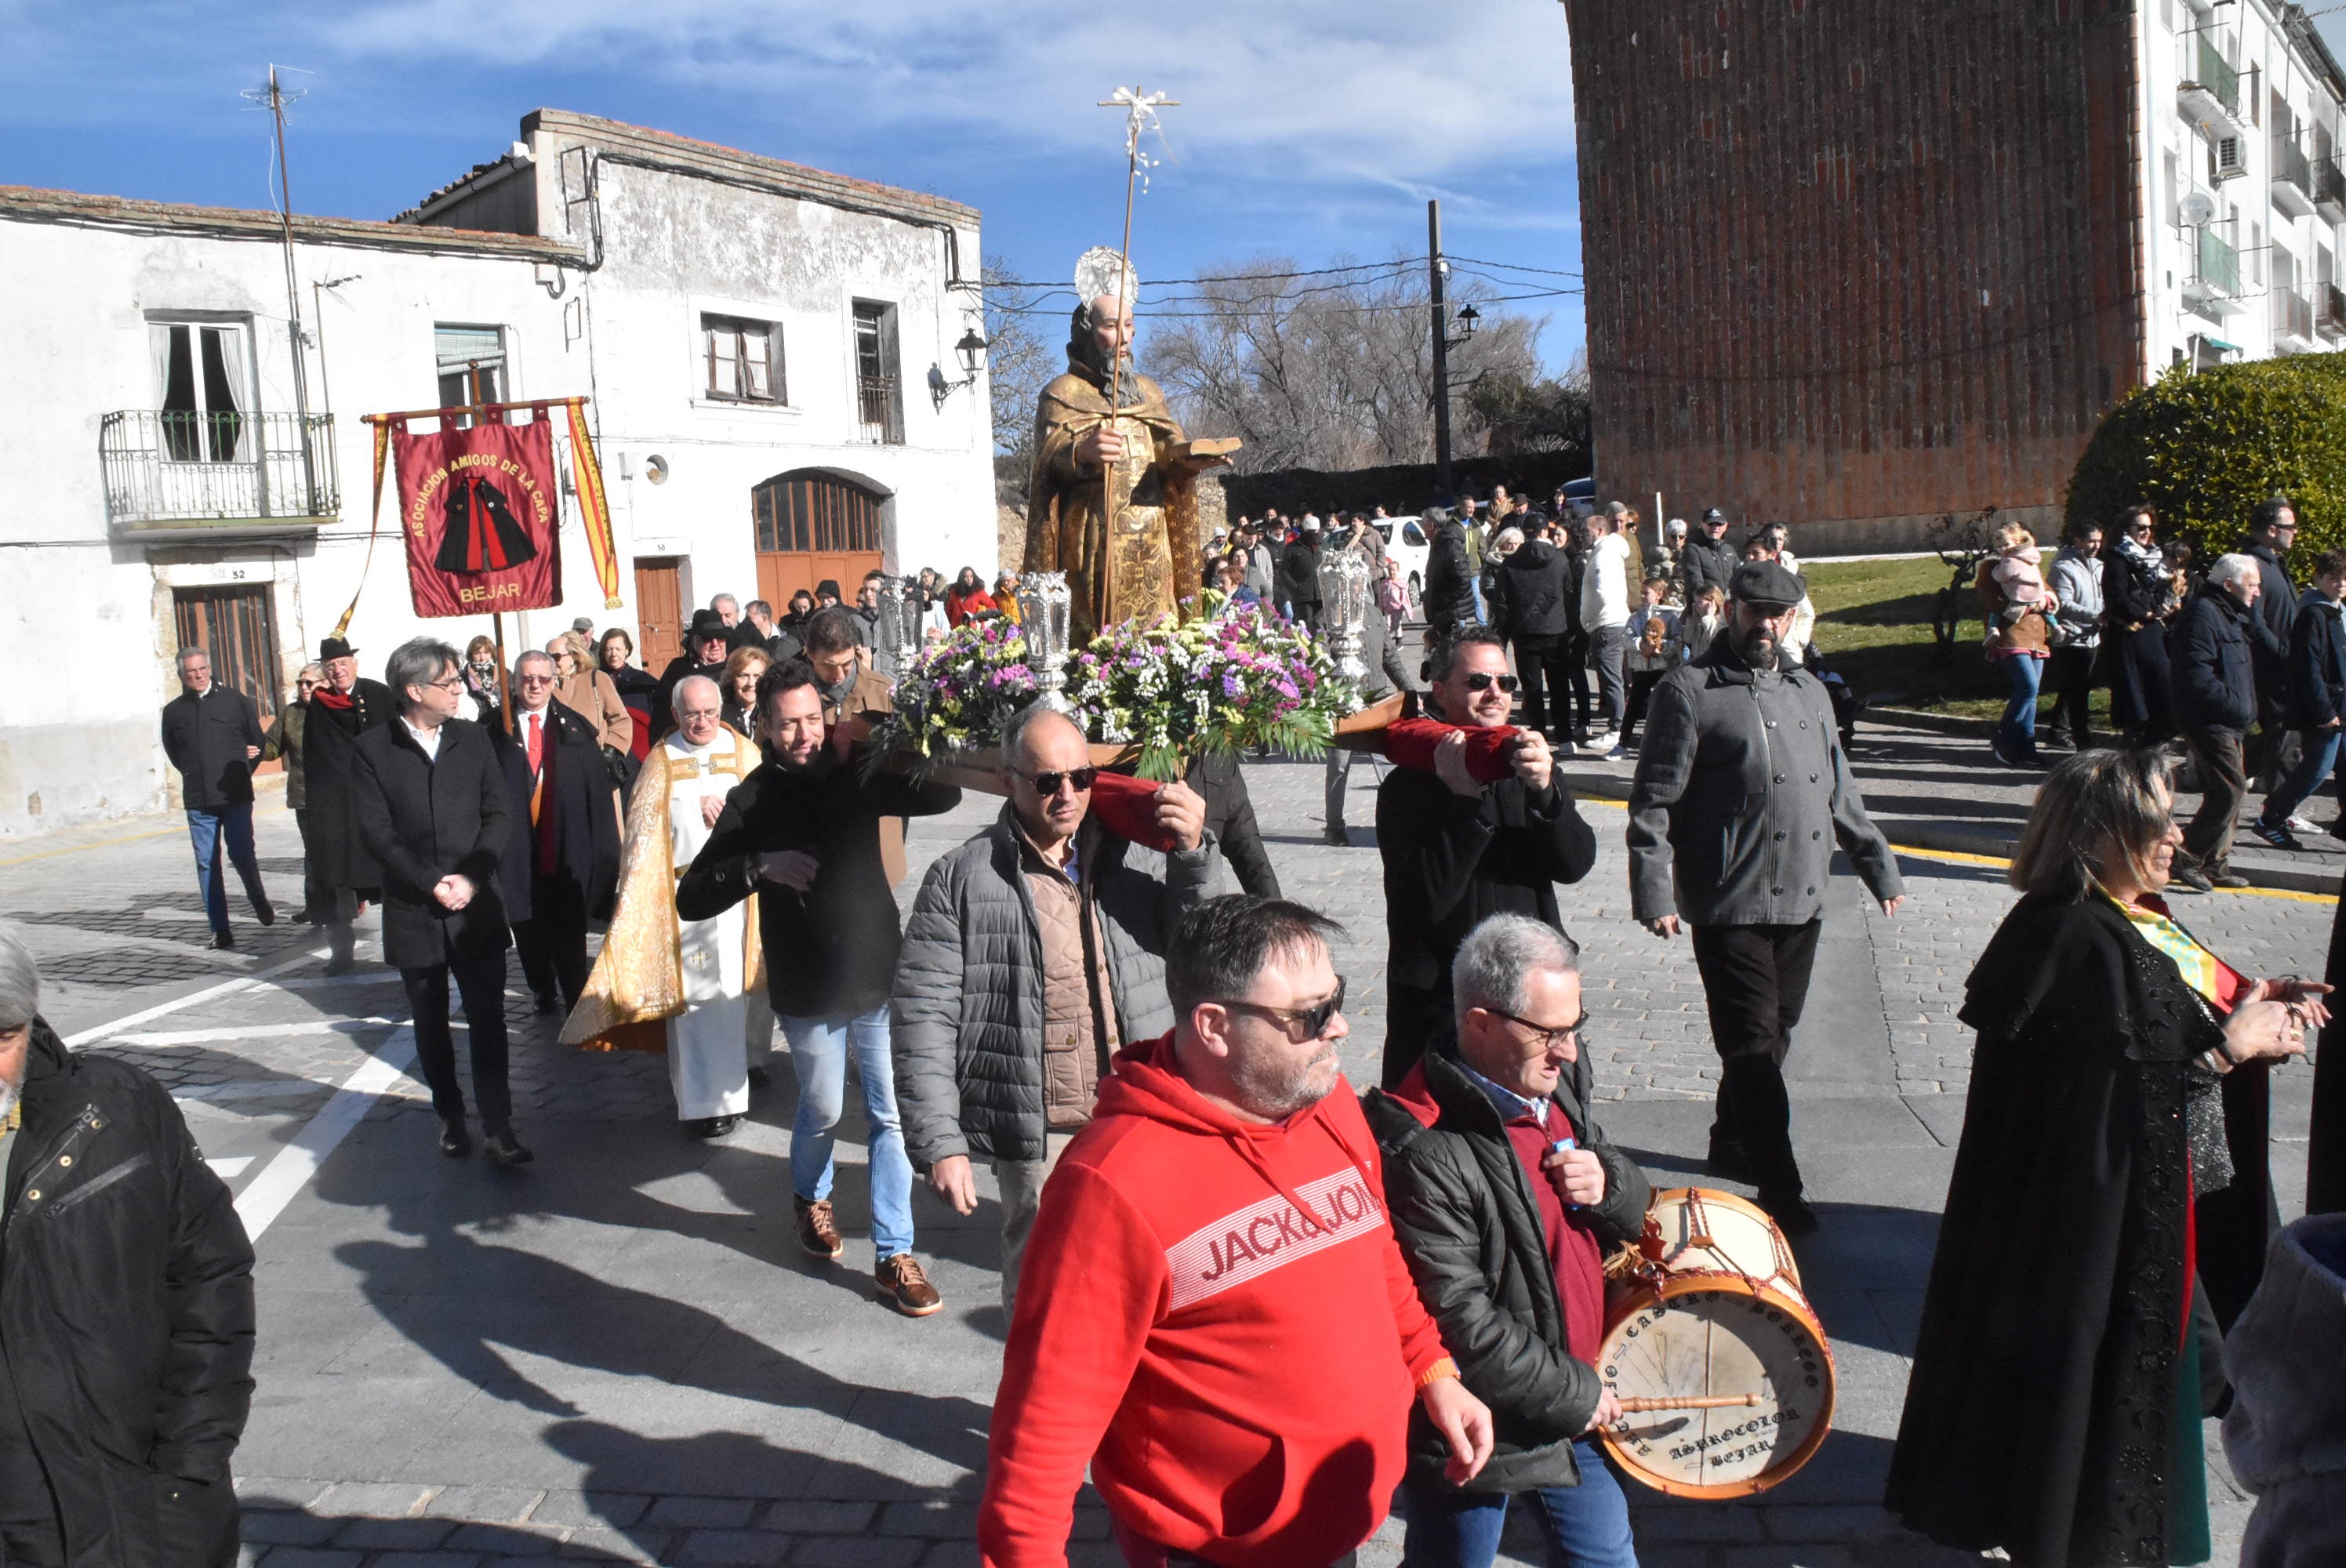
(1467, 318)
(972, 350)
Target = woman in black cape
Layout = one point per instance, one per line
(2068, 1352)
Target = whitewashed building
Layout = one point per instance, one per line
(769, 352)
(2243, 100)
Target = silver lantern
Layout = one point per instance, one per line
(1345, 603)
(1043, 607)
(900, 621)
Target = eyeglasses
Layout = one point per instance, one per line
(305, 682)
(1546, 1039)
(1047, 784)
(1482, 680)
(537, 680)
(453, 683)
(1315, 1018)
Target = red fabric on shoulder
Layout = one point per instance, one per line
(1126, 807)
(1410, 742)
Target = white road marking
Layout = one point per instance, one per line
(230, 1167)
(163, 1009)
(286, 1174)
(251, 1031)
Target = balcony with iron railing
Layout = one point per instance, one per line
(2214, 288)
(2212, 94)
(880, 406)
(2330, 313)
(2292, 179)
(175, 474)
(2330, 190)
(2292, 322)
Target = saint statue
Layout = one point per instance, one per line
(1113, 500)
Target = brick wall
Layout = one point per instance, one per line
(1852, 263)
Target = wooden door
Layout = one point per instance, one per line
(813, 527)
(659, 612)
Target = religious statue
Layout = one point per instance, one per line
(1113, 499)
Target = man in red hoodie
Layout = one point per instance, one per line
(1214, 1315)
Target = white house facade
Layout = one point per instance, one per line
(770, 354)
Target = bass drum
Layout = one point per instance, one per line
(1724, 1371)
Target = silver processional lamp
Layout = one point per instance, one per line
(900, 616)
(1344, 607)
(1043, 605)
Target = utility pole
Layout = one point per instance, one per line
(1435, 267)
(292, 310)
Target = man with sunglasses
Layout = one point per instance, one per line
(1217, 1320)
(1033, 953)
(1457, 852)
(1740, 794)
(1489, 1154)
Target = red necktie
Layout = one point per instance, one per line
(536, 746)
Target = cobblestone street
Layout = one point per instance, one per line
(619, 1352)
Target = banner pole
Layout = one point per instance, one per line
(505, 680)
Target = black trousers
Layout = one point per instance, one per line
(2071, 677)
(1540, 662)
(552, 943)
(1755, 981)
(480, 980)
(2140, 684)
(1641, 693)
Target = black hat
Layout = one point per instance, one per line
(707, 623)
(1713, 515)
(335, 648)
(1765, 583)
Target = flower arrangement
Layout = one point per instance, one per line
(1168, 691)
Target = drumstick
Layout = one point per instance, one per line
(1689, 1403)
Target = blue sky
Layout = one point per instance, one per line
(1309, 129)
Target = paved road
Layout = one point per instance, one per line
(619, 1352)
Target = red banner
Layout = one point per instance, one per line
(481, 517)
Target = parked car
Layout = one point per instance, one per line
(1406, 543)
(1580, 495)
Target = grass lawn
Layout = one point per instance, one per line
(1873, 625)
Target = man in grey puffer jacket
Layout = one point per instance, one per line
(1033, 953)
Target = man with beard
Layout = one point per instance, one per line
(1217, 1319)
(1740, 781)
(342, 871)
(1138, 558)
(803, 833)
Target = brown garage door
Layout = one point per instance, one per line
(813, 527)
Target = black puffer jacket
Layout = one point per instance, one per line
(126, 1316)
(1449, 576)
(1464, 1213)
(1533, 588)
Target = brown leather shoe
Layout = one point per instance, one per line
(906, 1286)
(818, 1229)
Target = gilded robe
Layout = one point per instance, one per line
(1150, 564)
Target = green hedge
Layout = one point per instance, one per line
(2203, 449)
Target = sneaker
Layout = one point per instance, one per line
(2191, 876)
(1618, 754)
(2278, 838)
(819, 1230)
(904, 1285)
(2298, 824)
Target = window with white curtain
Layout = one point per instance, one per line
(203, 387)
(471, 360)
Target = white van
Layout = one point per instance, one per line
(1406, 543)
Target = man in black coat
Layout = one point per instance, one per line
(1298, 578)
(1457, 852)
(2211, 655)
(126, 1319)
(1530, 607)
(2272, 529)
(211, 733)
(708, 644)
(433, 810)
(1505, 1197)
(561, 865)
(340, 712)
(1449, 574)
(804, 833)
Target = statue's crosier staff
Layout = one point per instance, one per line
(1140, 115)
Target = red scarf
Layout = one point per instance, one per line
(339, 700)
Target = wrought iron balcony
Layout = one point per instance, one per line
(2330, 191)
(2292, 180)
(880, 405)
(169, 473)
(2212, 93)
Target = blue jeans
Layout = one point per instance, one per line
(1586, 1526)
(819, 1048)
(2319, 756)
(2017, 734)
(206, 829)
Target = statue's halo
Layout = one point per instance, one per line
(1102, 270)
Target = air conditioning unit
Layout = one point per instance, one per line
(2232, 157)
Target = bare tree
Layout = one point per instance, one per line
(1326, 371)
(1020, 360)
